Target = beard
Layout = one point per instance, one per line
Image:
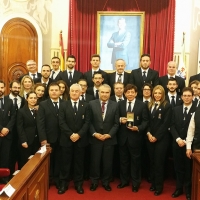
(15, 93)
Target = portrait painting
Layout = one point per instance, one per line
(120, 36)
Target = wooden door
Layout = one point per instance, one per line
(19, 43)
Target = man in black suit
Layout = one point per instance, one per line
(118, 92)
(84, 96)
(179, 127)
(48, 128)
(74, 122)
(97, 80)
(130, 137)
(95, 62)
(171, 73)
(120, 75)
(55, 63)
(194, 77)
(104, 124)
(144, 74)
(70, 76)
(32, 70)
(18, 103)
(45, 72)
(7, 121)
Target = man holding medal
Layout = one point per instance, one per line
(134, 119)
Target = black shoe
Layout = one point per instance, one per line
(121, 185)
(93, 186)
(135, 188)
(177, 193)
(79, 189)
(188, 196)
(107, 187)
(62, 189)
(157, 192)
(152, 188)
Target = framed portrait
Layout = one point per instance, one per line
(120, 36)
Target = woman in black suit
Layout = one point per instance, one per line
(158, 137)
(27, 129)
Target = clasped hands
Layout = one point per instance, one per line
(74, 137)
(4, 132)
(102, 137)
(123, 120)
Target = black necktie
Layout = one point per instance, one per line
(119, 99)
(53, 72)
(2, 106)
(83, 99)
(97, 94)
(70, 76)
(75, 108)
(173, 101)
(119, 78)
(34, 75)
(146, 102)
(56, 107)
(144, 76)
(33, 112)
(129, 107)
(185, 113)
(154, 110)
(15, 103)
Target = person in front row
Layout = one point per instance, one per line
(103, 128)
(27, 128)
(74, 122)
(157, 137)
(130, 137)
(179, 126)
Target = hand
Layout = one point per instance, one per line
(4, 131)
(43, 142)
(74, 137)
(181, 143)
(133, 128)
(99, 136)
(189, 153)
(25, 145)
(123, 120)
(151, 138)
(106, 136)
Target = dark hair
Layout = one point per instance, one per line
(82, 79)
(95, 55)
(196, 82)
(28, 94)
(130, 87)
(46, 65)
(71, 56)
(188, 89)
(97, 73)
(39, 84)
(171, 79)
(15, 81)
(55, 57)
(66, 92)
(117, 83)
(3, 82)
(145, 54)
(53, 84)
(149, 85)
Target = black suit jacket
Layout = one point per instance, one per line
(26, 125)
(195, 77)
(141, 119)
(47, 121)
(112, 80)
(54, 79)
(109, 125)
(89, 97)
(46, 92)
(160, 122)
(137, 79)
(7, 116)
(180, 81)
(179, 127)
(38, 76)
(178, 100)
(71, 123)
(88, 77)
(64, 76)
(90, 91)
(113, 98)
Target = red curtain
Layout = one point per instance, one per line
(158, 31)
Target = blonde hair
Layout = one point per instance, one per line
(22, 85)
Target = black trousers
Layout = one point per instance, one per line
(104, 153)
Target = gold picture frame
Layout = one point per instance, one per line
(115, 26)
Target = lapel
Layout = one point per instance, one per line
(149, 76)
(51, 107)
(71, 109)
(109, 107)
(135, 108)
(29, 114)
(140, 75)
(98, 110)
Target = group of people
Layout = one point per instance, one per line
(123, 116)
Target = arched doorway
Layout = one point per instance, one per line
(19, 43)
